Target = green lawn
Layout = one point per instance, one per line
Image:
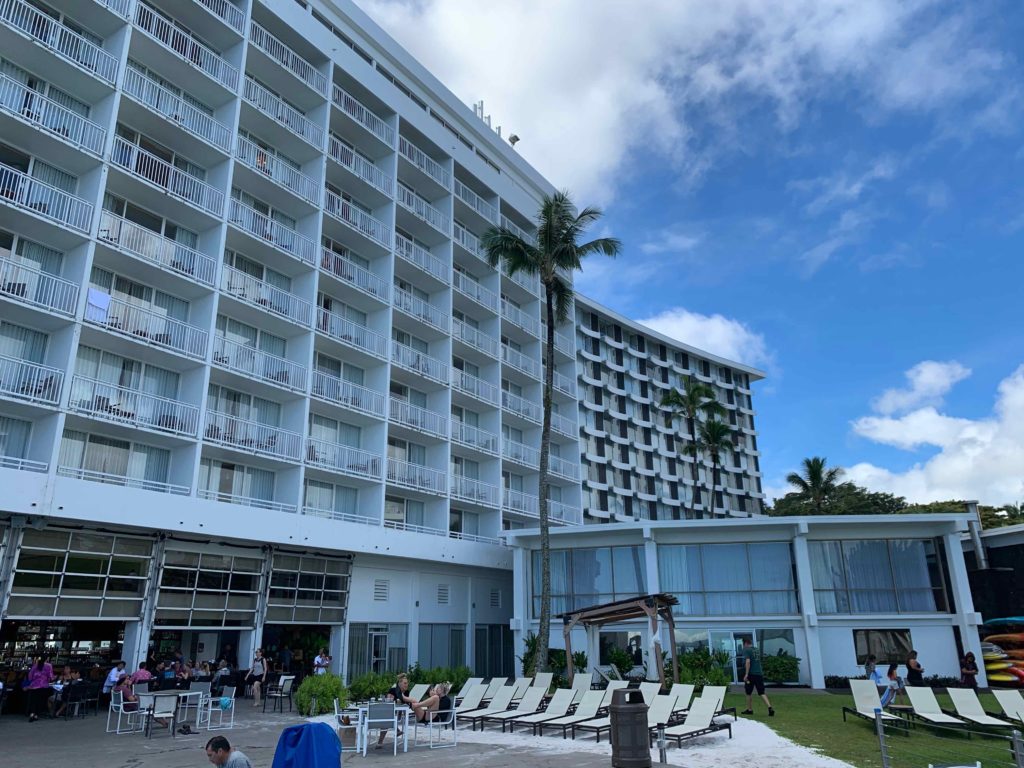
(814, 719)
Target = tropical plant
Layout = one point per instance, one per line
(457, 676)
(371, 685)
(702, 667)
(817, 484)
(781, 667)
(553, 255)
(529, 658)
(714, 440)
(687, 404)
(622, 660)
(317, 693)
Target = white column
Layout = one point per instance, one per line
(8, 561)
(965, 618)
(809, 613)
(520, 622)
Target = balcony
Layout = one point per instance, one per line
(360, 167)
(227, 12)
(520, 362)
(516, 230)
(474, 291)
(284, 239)
(474, 338)
(342, 458)
(468, 241)
(287, 58)
(420, 419)
(246, 501)
(421, 310)
(564, 426)
(355, 275)
(563, 512)
(352, 334)
(252, 437)
(331, 514)
(169, 105)
(22, 191)
(150, 168)
(565, 469)
(529, 283)
(186, 48)
(258, 364)
(474, 386)
(419, 257)
(564, 384)
(25, 465)
(477, 204)
(417, 477)
(520, 453)
(419, 207)
(424, 163)
(38, 111)
(121, 7)
(121, 405)
(352, 107)
(563, 343)
(283, 175)
(474, 437)
(517, 501)
(122, 480)
(61, 40)
(257, 293)
(284, 114)
(356, 219)
(31, 382)
(28, 285)
(144, 325)
(419, 362)
(145, 244)
(474, 491)
(517, 317)
(520, 407)
(401, 525)
(349, 395)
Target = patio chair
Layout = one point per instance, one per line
(195, 702)
(925, 707)
(493, 687)
(865, 703)
(543, 680)
(700, 720)
(1011, 702)
(279, 692)
(500, 703)
(223, 707)
(557, 707)
(75, 704)
(969, 707)
(587, 709)
(117, 707)
(354, 724)
(530, 704)
(521, 684)
(470, 683)
(165, 707)
(380, 716)
(436, 725)
(717, 692)
(684, 694)
(658, 713)
(583, 681)
(607, 693)
(649, 691)
(417, 691)
(471, 700)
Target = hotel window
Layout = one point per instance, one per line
(14, 437)
(589, 576)
(201, 589)
(330, 500)
(163, 99)
(404, 511)
(377, 648)
(132, 294)
(235, 483)
(308, 589)
(442, 645)
(151, 221)
(108, 460)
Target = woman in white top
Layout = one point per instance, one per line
(321, 662)
(257, 676)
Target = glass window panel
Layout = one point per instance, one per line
(725, 567)
(628, 567)
(591, 572)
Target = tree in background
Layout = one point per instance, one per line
(715, 438)
(817, 484)
(688, 404)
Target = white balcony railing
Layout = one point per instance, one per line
(477, 203)
(347, 394)
(29, 285)
(123, 405)
(564, 425)
(22, 191)
(520, 453)
(35, 383)
(474, 291)
(25, 465)
(285, 114)
(186, 47)
(121, 7)
(417, 476)
(258, 293)
(560, 511)
(250, 361)
(422, 209)
(354, 274)
(474, 386)
(516, 316)
(274, 168)
(122, 480)
(474, 437)
(171, 106)
(564, 384)
(422, 310)
(360, 167)
(355, 109)
(28, 105)
(415, 417)
(342, 458)
(333, 514)
(519, 361)
(147, 245)
(468, 489)
(524, 280)
(567, 469)
(521, 407)
(64, 42)
(467, 240)
(475, 338)
(287, 58)
(563, 343)
(401, 525)
(420, 257)
(245, 501)
(145, 325)
(359, 220)
(277, 234)
(351, 333)
(520, 502)
(424, 162)
(251, 436)
(145, 165)
(228, 12)
(515, 229)
(420, 362)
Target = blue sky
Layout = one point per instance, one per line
(828, 190)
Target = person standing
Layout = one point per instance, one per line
(38, 688)
(753, 677)
(219, 752)
(321, 663)
(915, 672)
(257, 676)
(871, 670)
(969, 672)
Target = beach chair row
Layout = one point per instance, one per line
(968, 709)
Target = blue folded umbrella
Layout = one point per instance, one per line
(311, 745)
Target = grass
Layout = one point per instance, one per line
(814, 719)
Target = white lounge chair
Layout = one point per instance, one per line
(417, 691)
(528, 705)
(865, 702)
(500, 703)
(471, 699)
(493, 687)
(717, 693)
(700, 720)
(543, 680)
(521, 684)
(582, 680)
(649, 691)
(1011, 702)
(967, 706)
(926, 707)
(684, 694)
(557, 707)
(587, 709)
(613, 686)
(466, 686)
(658, 713)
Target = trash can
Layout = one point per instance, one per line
(631, 744)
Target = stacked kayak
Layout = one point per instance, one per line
(1004, 659)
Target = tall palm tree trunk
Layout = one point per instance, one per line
(544, 482)
(694, 470)
(712, 483)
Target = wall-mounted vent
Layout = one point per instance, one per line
(381, 590)
(495, 598)
(443, 594)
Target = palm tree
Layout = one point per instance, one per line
(715, 438)
(554, 255)
(817, 484)
(688, 403)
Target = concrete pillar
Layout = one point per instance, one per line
(336, 647)
(813, 664)
(8, 560)
(965, 616)
(521, 616)
(138, 652)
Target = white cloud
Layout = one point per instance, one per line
(717, 334)
(670, 241)
(977, 459)
(841, 187)
(928, 382)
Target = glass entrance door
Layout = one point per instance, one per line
(378, 649)
(731, 641)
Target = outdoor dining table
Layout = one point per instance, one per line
(402, 712)
(183, 697)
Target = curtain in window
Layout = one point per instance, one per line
(260, 483)
(910, 569)
(417, 454)
(22, 343)
(54, 177)
(72, 449)
(69, 102)
(358, 651)
(328, 365)
(14, 436)
(346, 500)
(869, 576)
(271, 344)
(149, 463)
(266, 412)
(39, 256)
(397, 646)
(106, 456)
(414, 512)
(726, 574)
(318, 495)
(172, 306)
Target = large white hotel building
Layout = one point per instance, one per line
(258, 385)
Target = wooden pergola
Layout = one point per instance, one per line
(650, 606)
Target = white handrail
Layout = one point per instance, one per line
(422, 310)
(186, 47)
(564, 425)
(26, 465)
(468, 489)
(414, 360)
(477, 203)
(287, 58)
(228, 12)
(518, 405)
(331, 514)
(259, 364)
(351, 333)
(424, 162)
(355, 109)
(343, 458)
(344, 268)
(474, 437)
(33, 107)
(414, 416)
(143, 324)
(358, 165)
(520, 502)
(29, 285)
(283, 113)
(475, 386)
(281, 237)
(130, 406)
(564, 383)
(145, 165)
(247, 288)
(362, 222)
(408, 251)
(21, 190)
(485, 297)
(422, 209)
(520, 453)
(358, 398)
(254, 156)
(168, 104)
(515, 315)
(519, 361)
(524, 280)
(249, 501)
(24, 380)
(121, 7)
(563, 468)
(128, 482)
(474, 337)
(417, 476)
(510, 225)
(251, 436)
(148, 245)
(467, 240)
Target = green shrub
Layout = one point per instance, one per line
(371, 685)
(702, 667)
(781, 668)
(457, 676)
(325, 689)
(621, 660)
(529, 657)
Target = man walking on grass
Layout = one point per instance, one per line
(753, 677)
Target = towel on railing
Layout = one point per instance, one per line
(97, 305)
